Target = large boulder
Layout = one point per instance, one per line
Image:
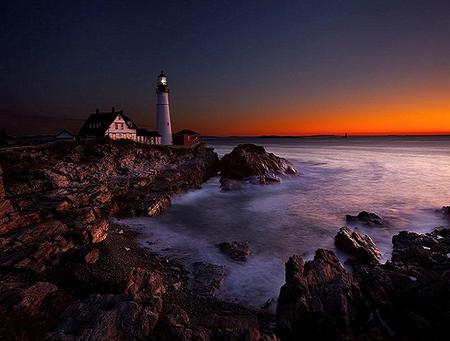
(320, 300)
(368, 218)
(252, 162)
(358, 246)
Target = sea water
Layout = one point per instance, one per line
(403, 179)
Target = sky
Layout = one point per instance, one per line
(234, 67)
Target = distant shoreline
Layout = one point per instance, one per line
(324, 136)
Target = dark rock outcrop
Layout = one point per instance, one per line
(320, 300)
(249, 162)
(406, 298)
(368, 218)
(236, 250)
(359, 247)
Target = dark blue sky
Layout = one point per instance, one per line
(231, 64)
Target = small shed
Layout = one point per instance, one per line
(186, 137)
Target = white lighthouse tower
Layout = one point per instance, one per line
(162, 110)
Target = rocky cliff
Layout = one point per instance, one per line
(57, 199)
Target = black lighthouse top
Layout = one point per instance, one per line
(161, 85)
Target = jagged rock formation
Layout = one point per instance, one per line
(358, 246)
(406, 298)
(320, 300)
(249, 162)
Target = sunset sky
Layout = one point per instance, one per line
(234, 67)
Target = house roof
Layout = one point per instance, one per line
(64, 133)
(145, 132)
(186, 132)
(104, 119)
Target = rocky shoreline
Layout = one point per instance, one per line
(67, 272)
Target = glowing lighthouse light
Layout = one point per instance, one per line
(162, 79)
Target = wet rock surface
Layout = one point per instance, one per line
(368, 218)
(358, 246)
(207, 278)
(405, 298)
(236, 250)
(249, 162)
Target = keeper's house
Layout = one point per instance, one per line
(116, 126)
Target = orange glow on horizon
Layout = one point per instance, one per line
(424, 110)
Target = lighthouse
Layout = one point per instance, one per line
(162, 110)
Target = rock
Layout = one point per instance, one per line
(411, 293)
(407, 298)
(174, 325)
(368, 218)
(108, 317)
(446, 210)
(158, 206)
(320, 300)
(207, 278)
(98, 230)
(236, 250)
(424, 250)
(358, 246)
(92, 256)
(249, 162)
(144, 284)
(33, 297)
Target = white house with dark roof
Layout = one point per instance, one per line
(116, 126)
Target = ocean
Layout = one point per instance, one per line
(403, 179)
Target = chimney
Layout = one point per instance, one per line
(113, 109)
(97, 111)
